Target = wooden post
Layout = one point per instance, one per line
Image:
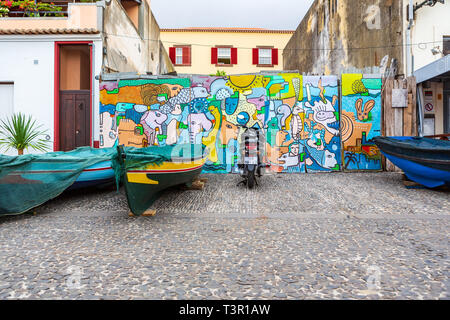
(412, 94)
(399, 121)
(147, 213)
(389, 118)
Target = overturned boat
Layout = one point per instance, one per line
(423, 160)
(28, 181)
(145, 179)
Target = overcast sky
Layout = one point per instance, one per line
(270, 14)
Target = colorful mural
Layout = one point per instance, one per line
(298, 115)
(361, 121)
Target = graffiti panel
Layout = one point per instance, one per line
(321, 138)
(284, 124)
(361, 121)
(298, 117)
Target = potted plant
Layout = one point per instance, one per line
(21, 133)
(39, 9)
(4, 8)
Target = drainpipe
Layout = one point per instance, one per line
(409, 56)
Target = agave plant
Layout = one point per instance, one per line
(21, 132)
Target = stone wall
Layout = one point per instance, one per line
(350, 37)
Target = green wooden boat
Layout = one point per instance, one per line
(145, 184)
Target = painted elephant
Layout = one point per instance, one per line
(197, 122)
(152, 121)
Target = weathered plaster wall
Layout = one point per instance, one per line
(133, 43)
(328, 41)
(154, 45)
(126, 49)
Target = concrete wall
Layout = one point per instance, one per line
(326, 42)
(202, 42)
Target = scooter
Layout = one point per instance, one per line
(251, 165)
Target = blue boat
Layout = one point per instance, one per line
(97, 175)
(423, 160)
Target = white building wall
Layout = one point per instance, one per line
(431, 24)
(29, 62)
(33, 82)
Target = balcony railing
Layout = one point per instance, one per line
(37, 8)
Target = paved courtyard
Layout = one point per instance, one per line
(332, 236)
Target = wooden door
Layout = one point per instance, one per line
(74, 120)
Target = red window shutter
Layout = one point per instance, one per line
(172, 54)
(255, 55)
(187, 55)
(213, 55)
(274, 57)
(234, 56)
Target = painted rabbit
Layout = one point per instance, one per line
(364, 115)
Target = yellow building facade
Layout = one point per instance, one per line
(232, 50)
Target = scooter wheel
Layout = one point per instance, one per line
(251, 180)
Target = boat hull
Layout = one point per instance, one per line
(98, 175)
(427, 166)
(144, 186)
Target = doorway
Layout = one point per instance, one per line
(447, 113)
(446, 105)
(73, 92)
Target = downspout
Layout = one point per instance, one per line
(410, 71)
(409, 56)
(100, 28)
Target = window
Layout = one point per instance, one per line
(265, 56)
(224, 55)
(7, 99)
(446, 46)
(180, 55)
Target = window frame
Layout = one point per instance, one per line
(178, 50)
(270, 65)
(260, 56)
(230, 48)
(229, 57)
(182, 47)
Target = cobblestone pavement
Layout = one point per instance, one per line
(333, 236)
